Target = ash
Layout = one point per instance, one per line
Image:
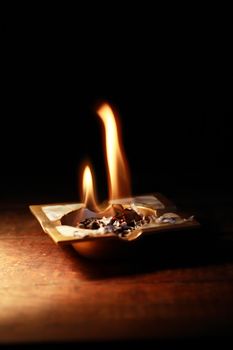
(123, 222)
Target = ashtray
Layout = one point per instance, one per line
(57, 221)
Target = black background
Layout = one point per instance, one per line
(168, 77)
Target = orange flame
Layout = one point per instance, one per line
(88, 189)
(119, 184)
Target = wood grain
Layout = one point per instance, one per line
(179, 286)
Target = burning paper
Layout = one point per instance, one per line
(124, 216)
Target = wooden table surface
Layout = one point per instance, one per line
(170, 287)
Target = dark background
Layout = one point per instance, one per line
(169, 75)
(169, 78)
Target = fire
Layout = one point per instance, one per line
(118, 173)
(88, 189)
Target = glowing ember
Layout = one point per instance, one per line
(123, 222)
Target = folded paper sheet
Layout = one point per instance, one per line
(167, 218)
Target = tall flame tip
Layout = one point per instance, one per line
(116, 161)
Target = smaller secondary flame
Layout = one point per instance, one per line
(88, 190)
